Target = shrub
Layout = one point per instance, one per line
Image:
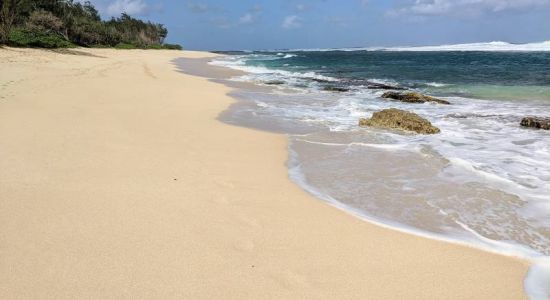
(153, 46)
(30, 38)
(100, 46)
(87, 34)
(125, 46)
(44, 21)
(150, 46)
(172, 46)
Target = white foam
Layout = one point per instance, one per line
(536, 283)
(491, 46)
(469, 166)
(238, 63)
(384, 81)
(436, 84)
(370, 145)
(263, 104)
(487, 46)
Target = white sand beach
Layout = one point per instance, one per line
(117, 181)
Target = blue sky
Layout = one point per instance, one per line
(278, 24)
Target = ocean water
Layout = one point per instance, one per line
(483, 181)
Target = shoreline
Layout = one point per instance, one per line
(137, 190)
(535, 278)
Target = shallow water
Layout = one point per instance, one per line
(483, 173)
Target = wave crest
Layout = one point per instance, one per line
(487, 46)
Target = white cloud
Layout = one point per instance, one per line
(466, 7)
(251, 16)
(246, 19)
(292, 22)
(131, 7)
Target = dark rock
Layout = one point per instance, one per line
(335, 89)
(399, 119)
(320, 80)
(412, 97)
(274, 82)
(381, 86)
(471, 115)
(536, 122)
(372, 85)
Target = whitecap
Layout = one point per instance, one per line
(485, 46)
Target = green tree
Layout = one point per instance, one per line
(44, 21)
(76, 22)
(8, 15)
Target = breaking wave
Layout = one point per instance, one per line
(487, 46)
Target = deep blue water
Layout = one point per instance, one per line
(485, 75)
(494, 68)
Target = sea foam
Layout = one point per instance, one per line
(487, 46)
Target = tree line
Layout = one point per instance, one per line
(67, 23)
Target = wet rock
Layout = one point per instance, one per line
(381, 86)
(319, 80)
(536, 122)
(470, 115)
(399, 119)
(274, 82)
(412, 97)
(372, 85)
(335, 89)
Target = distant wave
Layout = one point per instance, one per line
(239, 63)
(490, 46)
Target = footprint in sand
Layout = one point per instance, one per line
(148, 72)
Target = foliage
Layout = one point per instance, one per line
(8, 16)
(151, 46)
(28, 21)
(125, 46)
(137, 32)
(44, 21)
(172, 46)
(29, 38)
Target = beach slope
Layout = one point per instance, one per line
(117, 181)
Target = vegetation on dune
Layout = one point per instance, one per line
(66, 23)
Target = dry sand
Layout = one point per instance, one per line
(117, 181)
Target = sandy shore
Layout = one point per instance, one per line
(117, 181)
